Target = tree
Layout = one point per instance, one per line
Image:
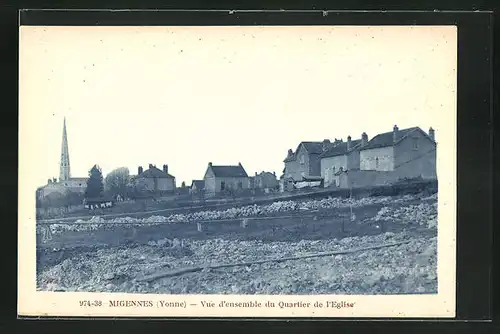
(53, 200)
(95, 185)
(116, 181)
(73, 198)
(137, 188)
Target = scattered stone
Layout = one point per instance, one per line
(108, 276)
(406, 268)
(163, 242)
(416, 211)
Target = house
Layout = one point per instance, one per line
(305, 161)
(73, 184)
(391, 156)
(197, 186)
(251, 182)
(223, 178)
(285, 183)
(156, 180)
(339, 157)
(265, 180)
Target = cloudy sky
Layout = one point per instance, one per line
(186, 96)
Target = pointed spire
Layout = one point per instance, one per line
(64, 173)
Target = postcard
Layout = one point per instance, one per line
(250, 171)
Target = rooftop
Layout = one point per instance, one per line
(200, 184)
(229, 171)
(312, 147)
(386, 139)
(154, 172)
(341, 149)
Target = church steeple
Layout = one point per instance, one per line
(64, 173)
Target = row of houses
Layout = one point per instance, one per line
(155, 179)
(386, 158)
(223, 178)
(217, 179)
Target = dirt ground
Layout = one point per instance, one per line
(115, 257)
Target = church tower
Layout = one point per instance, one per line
(64, 173)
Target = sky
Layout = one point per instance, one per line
(187, 96)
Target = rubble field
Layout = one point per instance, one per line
(115, 255)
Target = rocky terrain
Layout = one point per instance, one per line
(406, 265)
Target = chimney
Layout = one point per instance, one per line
(49, 181)
(274, 173)
(290, 153)
(210, 164)
(150, 166)
(348, 143)
(239, 164)
(255, 173)
(395, 133)
(165, 168)
(431, 133)
(54, 180)
(326, 144)
(139, 170)
(364, 139)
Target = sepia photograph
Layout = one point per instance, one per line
(235, 165)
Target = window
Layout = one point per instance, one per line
(302, 159)
(222, 185)
(376, 162)
(415, 143)
(240, 185)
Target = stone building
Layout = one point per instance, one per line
(225, 178)
(265, 180)
(157, 181)
(339, 157)
(392, 156)
(197, 186)
(66, 182)
(305, 161)
(286, 183)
